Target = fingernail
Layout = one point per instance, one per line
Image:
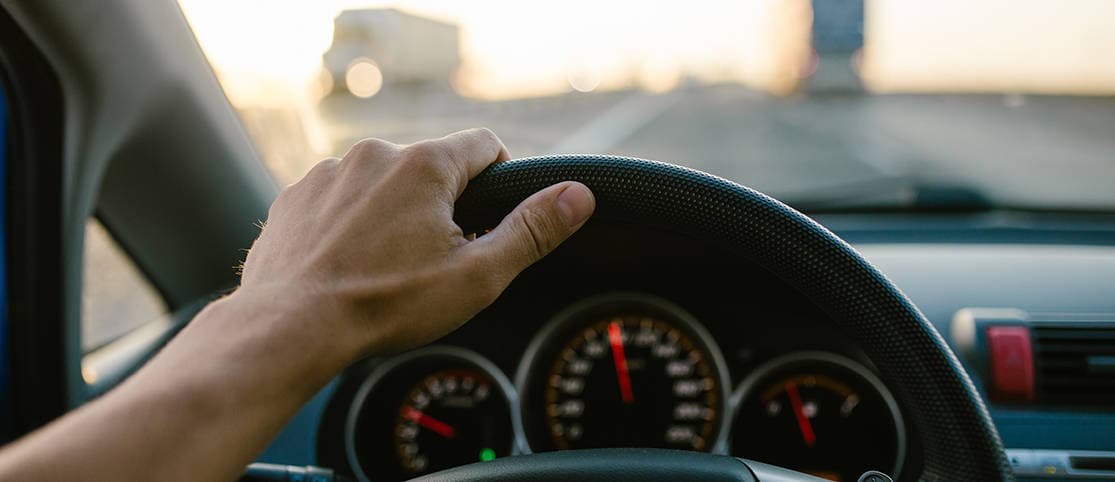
(576, 204)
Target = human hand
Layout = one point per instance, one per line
(368, 242)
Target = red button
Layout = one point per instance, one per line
(1012, 363)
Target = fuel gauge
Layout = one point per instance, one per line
(821, 414)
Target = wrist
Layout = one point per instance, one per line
(280, 338)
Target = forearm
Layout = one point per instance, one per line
(360, 256)
(202, 409)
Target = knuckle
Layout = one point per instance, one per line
(370, 148)
(369, 153)
(430, 160)
(489, 139)
(318, 175)
(325, 164)
(320, 172)
(424, 151)
(538, 235)
(371, 145)
(486, 134)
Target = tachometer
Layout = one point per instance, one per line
(624, 371)
(451, 417)
(428, 410)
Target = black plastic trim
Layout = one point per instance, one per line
(34, 230)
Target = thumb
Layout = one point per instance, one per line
(534, 228)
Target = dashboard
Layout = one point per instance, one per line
(627, 337)
(621, 369)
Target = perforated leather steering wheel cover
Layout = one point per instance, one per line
(958, 439)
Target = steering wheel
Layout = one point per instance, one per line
(948, 420)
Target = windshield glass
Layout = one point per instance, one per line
(997, 102)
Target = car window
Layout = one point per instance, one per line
(1010, 101)
(116, 297)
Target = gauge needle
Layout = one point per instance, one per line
(437, 426)
(615, 337)
(799, 412)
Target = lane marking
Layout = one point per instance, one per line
(617, 124)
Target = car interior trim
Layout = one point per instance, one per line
(42, 341)
(1063, 464)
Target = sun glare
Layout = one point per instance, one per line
(508, 49)
(363, 78)
(514, 49)
(990, 45)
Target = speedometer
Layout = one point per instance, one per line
(624, 371)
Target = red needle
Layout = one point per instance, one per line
(799, 412)
(616, 339)
(439, 427)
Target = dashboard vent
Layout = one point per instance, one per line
(1075, 362)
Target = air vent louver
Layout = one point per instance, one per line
(1075, 362)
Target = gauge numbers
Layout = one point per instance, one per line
(820, 414)
(428, 410)
(450, 418)
(633, 380)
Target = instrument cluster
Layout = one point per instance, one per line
(621, 370)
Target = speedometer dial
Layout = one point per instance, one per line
(626, 371)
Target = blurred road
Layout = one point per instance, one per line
(1037, 151)
(1021, 150)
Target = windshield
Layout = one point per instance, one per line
(827, 102)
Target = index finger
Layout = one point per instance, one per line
(471, 151)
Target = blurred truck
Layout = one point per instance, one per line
(409, 50)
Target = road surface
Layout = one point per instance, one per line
(1019, 150)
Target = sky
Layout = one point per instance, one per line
(520, 49)
(509, 49)
(1050, 46)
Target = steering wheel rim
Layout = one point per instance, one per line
(941, 405)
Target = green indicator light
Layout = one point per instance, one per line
(487, 455)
